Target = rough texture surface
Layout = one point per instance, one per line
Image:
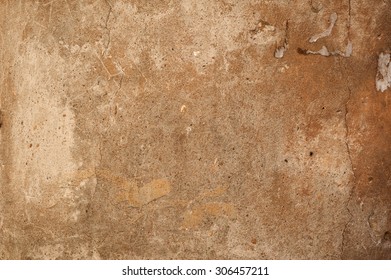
(194, 130)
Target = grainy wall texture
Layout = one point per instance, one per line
(195, 129)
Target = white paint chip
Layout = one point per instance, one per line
(323, 51)
(349, 49)
(383, 76)
(280, 51)
(327, 32)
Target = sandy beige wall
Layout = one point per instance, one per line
(169, 129)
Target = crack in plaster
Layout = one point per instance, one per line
(351, 192)
(107, 28)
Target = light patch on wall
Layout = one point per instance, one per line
(383, 76)
(327, 32)
(42, 128)
(324, 51)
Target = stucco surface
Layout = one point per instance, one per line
(194, 130)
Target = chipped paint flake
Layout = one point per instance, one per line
(349, 49)
(327, 32)
(280, 51)
(383, 76)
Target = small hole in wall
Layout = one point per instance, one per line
(370, 179)
(302, 51)
(387, 236)
(285, 160)
(311, 154)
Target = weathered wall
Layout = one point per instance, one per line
(169, 129)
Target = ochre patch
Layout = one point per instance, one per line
(194, 218)
(127, 189)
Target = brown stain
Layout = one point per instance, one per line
(304, 191)
(313, 129)
(193, 218)
(369, 122)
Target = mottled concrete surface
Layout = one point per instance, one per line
(169, 130)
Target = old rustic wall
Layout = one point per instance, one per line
(169, 129)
